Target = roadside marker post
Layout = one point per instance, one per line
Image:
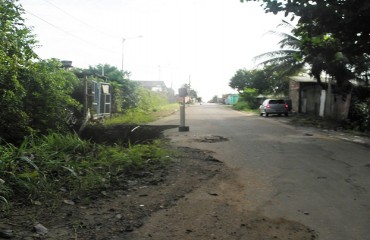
(183, 93)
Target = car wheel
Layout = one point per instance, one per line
(286, 114)
(261, 114)
(266, 114)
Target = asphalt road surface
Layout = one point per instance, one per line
(287, 172)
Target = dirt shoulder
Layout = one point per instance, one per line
(194, 197)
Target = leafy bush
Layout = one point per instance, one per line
(249, 96)
(49, 96)
(241, 105)
(361, 115)
(16, 54)
(149, 100)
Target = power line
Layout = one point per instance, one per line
(79, 20)
(71, 34)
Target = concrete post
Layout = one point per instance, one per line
(182, 127)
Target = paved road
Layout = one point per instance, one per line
(305, 176)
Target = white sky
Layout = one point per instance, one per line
(205, 41)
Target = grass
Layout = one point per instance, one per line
(245, 107)
(139, 116)
(45, 168)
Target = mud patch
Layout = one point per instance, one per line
(212, 139)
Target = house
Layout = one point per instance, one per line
(305, 94)
(309, 96)
(230, 99)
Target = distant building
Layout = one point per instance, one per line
(230, 99)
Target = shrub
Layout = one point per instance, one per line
(361, 115)
(249, 95)
(241, 105)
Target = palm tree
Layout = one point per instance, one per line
(289, 59)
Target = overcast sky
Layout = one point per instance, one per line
(205, 41)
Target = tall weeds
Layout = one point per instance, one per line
(47, 167)
(142, 116)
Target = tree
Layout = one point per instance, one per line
(191, 92)
(289, 59)
(334, 35)
(249, 79)
(214, 99)
(240, 80)
(16, 54)
(266, 81)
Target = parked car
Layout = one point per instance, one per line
(274, 106)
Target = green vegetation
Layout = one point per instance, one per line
(333, 35)
(329, 38)
(149, 107)
(247, 101)
(140, 116)
(55, 165)
(266, 81)
(41, 159)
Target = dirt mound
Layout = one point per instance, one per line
(123, 133)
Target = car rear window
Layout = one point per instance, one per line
(277, 101)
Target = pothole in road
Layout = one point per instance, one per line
(212, 139)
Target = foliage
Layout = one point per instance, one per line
(334, 35)
(191, 92)
(214, 99)
(265, 81)
(287, 61)
(149, 100)
(34, 94)
(150, 107)
(249, 95)
(16, 43)
(241, 106)
(249, 79)
(359, 114)
(48, 101)
(40, 167)
(362, 113)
